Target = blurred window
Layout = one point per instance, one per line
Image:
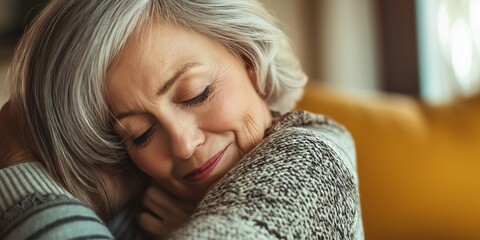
(449, 48)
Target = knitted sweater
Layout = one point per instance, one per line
(300, 182)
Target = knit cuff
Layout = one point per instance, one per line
(21, 180)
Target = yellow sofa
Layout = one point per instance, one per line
(419, 164)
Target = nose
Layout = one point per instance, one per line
(185, 136)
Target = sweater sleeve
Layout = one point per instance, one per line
(33, 206)
(299, 183)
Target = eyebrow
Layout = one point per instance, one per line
(176, 76)
(164, 88)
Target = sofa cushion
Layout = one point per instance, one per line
(418, 163)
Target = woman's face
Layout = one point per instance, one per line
(187, 108)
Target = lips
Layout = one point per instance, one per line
(200, 173)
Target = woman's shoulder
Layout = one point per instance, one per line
(301, 130)
(306, 122)
(300, 125)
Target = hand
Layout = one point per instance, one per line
(13, 147)
(123, 185)
(163, 213)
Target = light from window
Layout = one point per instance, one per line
(449, 48)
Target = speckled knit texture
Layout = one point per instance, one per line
(300, 182)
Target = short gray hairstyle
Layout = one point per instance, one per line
(57, 75)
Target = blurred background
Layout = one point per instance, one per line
(424, 48)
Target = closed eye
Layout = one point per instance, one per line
(143, 139)
(199, 98)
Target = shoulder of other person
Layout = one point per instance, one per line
(299, 131)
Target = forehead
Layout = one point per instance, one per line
(167, 46)
(153, 54)
(158, 42)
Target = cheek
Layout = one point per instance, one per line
(151, 161)
(240, 113)
(226, 112)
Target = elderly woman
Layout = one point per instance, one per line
(197, 95)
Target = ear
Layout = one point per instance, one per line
(250, 71)
(252, 75)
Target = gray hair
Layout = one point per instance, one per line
(57, 75)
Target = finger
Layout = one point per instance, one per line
(186, 205)
(170, 217)
(122, 186)
(156, 209)
(165, 200)
(153, 225)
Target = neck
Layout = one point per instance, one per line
(12, 156)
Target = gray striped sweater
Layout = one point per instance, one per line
(33, 206)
